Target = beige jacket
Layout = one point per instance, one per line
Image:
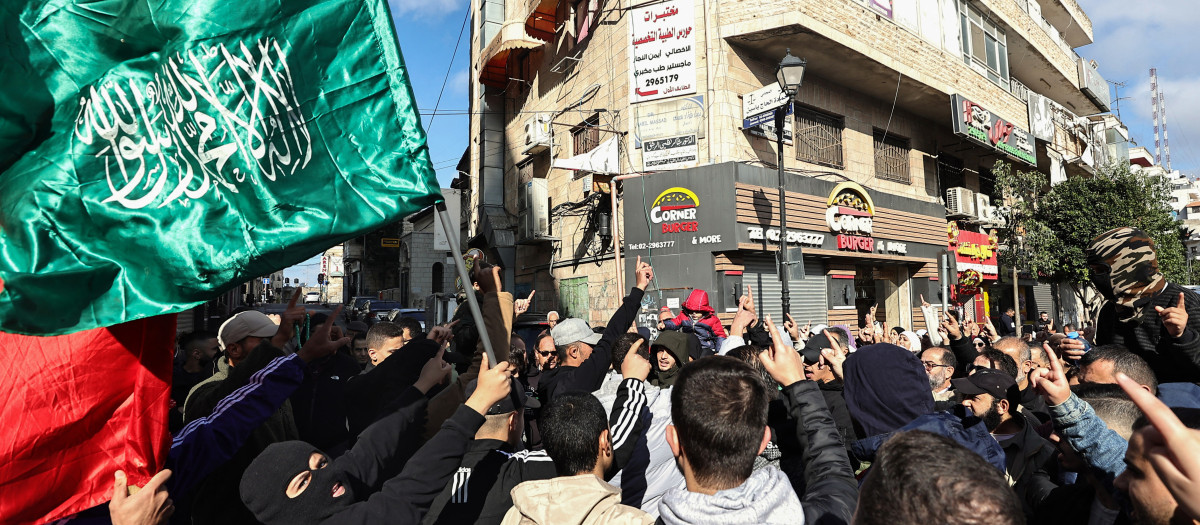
(574, 500)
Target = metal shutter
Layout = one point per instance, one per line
(808, 295)
(1043, 298)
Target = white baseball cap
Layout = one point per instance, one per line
(245, 324)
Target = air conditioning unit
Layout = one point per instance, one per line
(983, 206)
(538, 136)
(534, 202)
(960, 202)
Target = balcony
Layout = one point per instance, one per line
(1066, 15)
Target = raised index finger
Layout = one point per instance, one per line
(833, 342)
(1158, 413)
(1052, 356)
(530, 298)
(1181, 303)
(295, 296)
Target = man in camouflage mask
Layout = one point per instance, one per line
(1124, 269)
(1155, 319)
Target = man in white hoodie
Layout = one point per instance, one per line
(719, 416)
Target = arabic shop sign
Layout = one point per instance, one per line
(849, 214)
(663, 51)
(982, 126)
(975, 251)
(758, 112)
(671, 153)
(669, 118)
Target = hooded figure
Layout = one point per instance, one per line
(676, 345)
(886, 387)
(698, 317)
(1124, 268)
(265, 485)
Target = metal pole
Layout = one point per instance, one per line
(944, 276)
(439, 209)
(1016, 303)
(785, 270)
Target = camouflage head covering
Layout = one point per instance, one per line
(1133, 277)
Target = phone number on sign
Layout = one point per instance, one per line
(651, 245)
(661, 80)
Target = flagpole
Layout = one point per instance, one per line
(439, 209)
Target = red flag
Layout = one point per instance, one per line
(75, 409)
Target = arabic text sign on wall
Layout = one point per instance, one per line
(974, 122)
(663, 51)
(670, 118)
(670, 153)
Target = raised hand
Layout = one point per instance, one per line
(488, 278)
(635, 365)
(1051, 383)
(149, 506)
(1169, 446)
(835, 355)
(442, 334)
(287, 321)
(320, 344)
(644, 273)
(1174, 318)
(791, 327)
(781, 361)
(745, 315)
(493, 385)
(924, 303)
(434, 372)
(953, 329)
(521, 306)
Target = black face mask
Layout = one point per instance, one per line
(264, 486)
(1103, 284)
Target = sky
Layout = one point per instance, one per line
(1132, 37)
(428, 31)
(1129, 40)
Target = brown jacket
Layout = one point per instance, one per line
(573, 500)
(498, 318)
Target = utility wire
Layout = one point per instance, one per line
(446, 78)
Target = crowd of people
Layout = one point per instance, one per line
(300, 420)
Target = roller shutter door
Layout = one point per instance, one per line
(808, 295)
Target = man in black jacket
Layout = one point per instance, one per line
(295, 483)
(1157, 320)
(583, 356)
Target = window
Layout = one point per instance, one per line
(586, 137)
(891, 158)
(985, 47)
(950, 172)
(818, 138)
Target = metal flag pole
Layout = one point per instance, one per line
(439, 209)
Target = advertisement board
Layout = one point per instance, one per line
(662, 51)
(976, 123)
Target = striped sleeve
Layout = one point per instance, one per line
(626, 423)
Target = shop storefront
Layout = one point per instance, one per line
(716, 228)
(976, 270)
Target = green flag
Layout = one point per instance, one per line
(154, 154)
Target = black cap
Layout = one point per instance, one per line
(988, 381)
(812, 348)
(516, 400)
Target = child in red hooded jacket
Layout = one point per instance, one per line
(697, 317)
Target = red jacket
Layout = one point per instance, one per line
(697, 301)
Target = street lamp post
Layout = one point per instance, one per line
(789, 74)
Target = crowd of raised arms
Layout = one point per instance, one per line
(756, 421)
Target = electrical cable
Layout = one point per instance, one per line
(446, 78)
(895, 98)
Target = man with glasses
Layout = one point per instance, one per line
(940, 365)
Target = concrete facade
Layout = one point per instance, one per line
(874, 72)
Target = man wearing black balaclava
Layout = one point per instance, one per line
(294, 483)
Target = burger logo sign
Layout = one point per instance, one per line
(849, 214)
(675, 210)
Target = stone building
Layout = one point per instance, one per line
(905, 104)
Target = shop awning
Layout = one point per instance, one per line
(541, 18)
(496, 55)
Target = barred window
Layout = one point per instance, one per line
(818, 138)
(891, 158)
(586, 137)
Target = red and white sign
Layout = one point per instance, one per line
(849, 213)
(976, 251)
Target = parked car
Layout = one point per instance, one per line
(312, 297)
(377, 310)
(354, 309)
(415, 313)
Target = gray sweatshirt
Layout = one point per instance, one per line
(766, 497)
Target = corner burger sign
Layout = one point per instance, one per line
(849, 214)
(675, 210)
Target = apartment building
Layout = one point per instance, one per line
(905, 107)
